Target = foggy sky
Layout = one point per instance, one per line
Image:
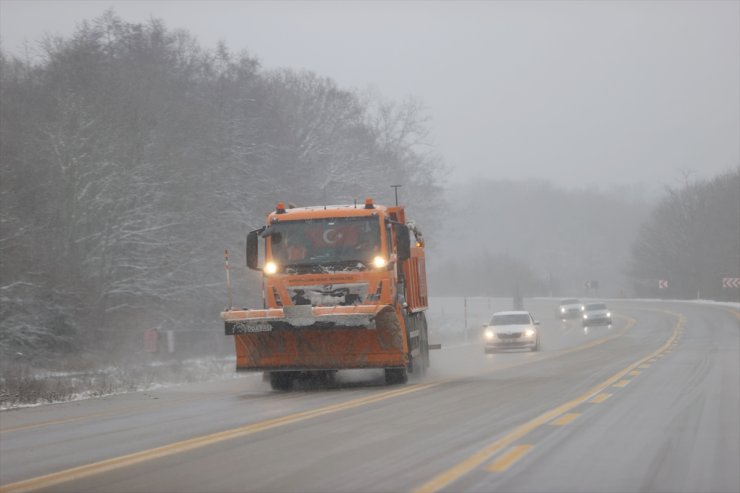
(578, 93)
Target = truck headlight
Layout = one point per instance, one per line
(488, 334)
(379, 262)
(271, 268)
(529, 333)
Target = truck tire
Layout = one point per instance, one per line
(394, 376)
(281, 380)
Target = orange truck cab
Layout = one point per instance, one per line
(344, 287)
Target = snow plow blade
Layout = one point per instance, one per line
(292, 317)
(303, 337)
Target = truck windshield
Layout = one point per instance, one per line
(349, 243)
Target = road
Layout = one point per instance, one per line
(651, 404)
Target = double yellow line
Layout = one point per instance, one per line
(474, 461)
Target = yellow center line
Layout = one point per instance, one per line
(475, 460)
(600, 398)
(509, 458)
(622, 383)
(634, 373)
(57, 478)
(564, 419)
(645, 366)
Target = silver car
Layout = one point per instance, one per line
(512, 330)
(596, 314)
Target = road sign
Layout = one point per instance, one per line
(731, 282)
(662, 284)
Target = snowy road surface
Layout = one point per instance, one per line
(651, 404)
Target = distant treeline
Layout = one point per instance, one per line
(132, 157)
(691, 240)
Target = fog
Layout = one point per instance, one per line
(576, 93)
(545, 149)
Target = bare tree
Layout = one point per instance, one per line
(691, 239)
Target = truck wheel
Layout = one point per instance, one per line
(395, 376)
(281, 380)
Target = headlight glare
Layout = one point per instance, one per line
(529, 333)
(271, 268)
(379, 262)
(488, 334)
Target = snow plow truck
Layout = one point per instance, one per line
(344, 287)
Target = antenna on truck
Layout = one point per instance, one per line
(228, 277)
(395, 189)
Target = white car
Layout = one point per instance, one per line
(569, 308)
(512, 330)
(596, 314)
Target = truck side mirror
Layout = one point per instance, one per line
(253, 249)
(403, 248)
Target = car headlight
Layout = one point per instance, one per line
(488, 334)
(379, 262)
(583, 308)
(562, 309)
(529, 333)
(585, 315)
(608, 314)
(271, 268)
